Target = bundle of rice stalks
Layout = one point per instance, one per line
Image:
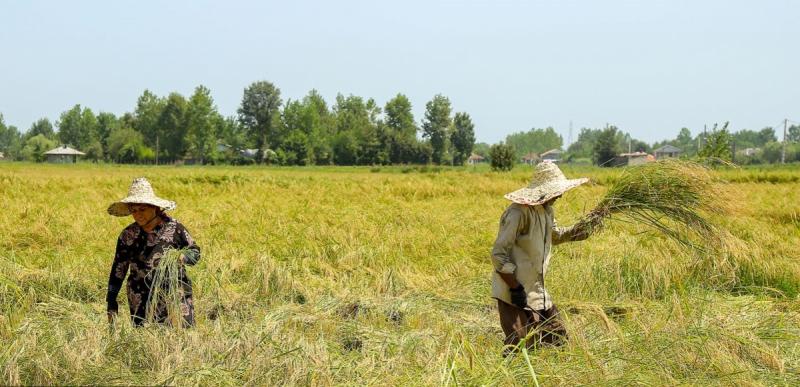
(672, 196)
(167, 291)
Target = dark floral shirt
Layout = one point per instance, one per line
(138, 253)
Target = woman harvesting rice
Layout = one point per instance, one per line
(140, 248)
(521, 255)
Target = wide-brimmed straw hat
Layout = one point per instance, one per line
(548, 182)
(141, 192)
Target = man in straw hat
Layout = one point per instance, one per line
(521, 255)
(140, 248)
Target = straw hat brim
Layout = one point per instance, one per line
(543, 193)
(120, 208)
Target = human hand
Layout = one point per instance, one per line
(519, 297)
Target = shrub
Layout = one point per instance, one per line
(502, 156)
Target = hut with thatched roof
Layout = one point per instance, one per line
(530, 158)
(553, 156)
(475, 159)
(63, 155)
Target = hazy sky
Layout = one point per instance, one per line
(649, 67)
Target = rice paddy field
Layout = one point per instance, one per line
(381, 276)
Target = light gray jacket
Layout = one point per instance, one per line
(522, 248)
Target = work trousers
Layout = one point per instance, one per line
(544, 326)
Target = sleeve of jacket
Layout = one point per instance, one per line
(578, 231)
(504, 244)
(192, 250)
(119, 269)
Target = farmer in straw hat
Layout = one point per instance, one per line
(521, 255)
(141, 246)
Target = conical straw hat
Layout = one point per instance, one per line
(141, 192)
(548, 182)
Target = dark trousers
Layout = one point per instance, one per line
(544, 326)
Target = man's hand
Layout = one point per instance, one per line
(519, 297)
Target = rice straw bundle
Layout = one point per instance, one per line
(672, 196)
(166, 291)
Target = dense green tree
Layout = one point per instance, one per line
(258, 112)
(771, 152)
(41, 126)
(793, 134)
(345, 148)
(401, 131)
(126, 145)
(535, 140)
(106, 122)
(202, 120)
(36, 146)
(746, 138)
(147, 117)
(399, 118)
(583, 147)
(320, 127)
(717, 144)
(606, 147)
(172, 129)
(372, 138)
(69, 127)
(767, 135)
(77, 127)
(481, 149)
(463, 138)
(10, 140)
(353, 130)
(296, 149)
(503, 157)
(435, 126)
(94, 151)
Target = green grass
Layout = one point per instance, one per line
(344, 276)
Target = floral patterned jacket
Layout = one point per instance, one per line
(138, 253)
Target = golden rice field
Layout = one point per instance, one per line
(359, 276)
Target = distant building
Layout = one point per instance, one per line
(667, 151)
(475, 159)
(248, 153)
(63, 155)
(636, 158)
(553, 156)
(530, 158)
(750, 151)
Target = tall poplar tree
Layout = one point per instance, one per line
(436, 124)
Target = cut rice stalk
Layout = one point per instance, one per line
(672, 196)
(166, 291)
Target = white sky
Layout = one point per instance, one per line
(650, 67)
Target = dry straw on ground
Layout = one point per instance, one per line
(342, 276)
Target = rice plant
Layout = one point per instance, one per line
(672, 196)
(342, 276)
(167, 290)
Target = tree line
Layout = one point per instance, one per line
(353, 131)
(603, 146)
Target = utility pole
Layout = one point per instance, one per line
(783, 152)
